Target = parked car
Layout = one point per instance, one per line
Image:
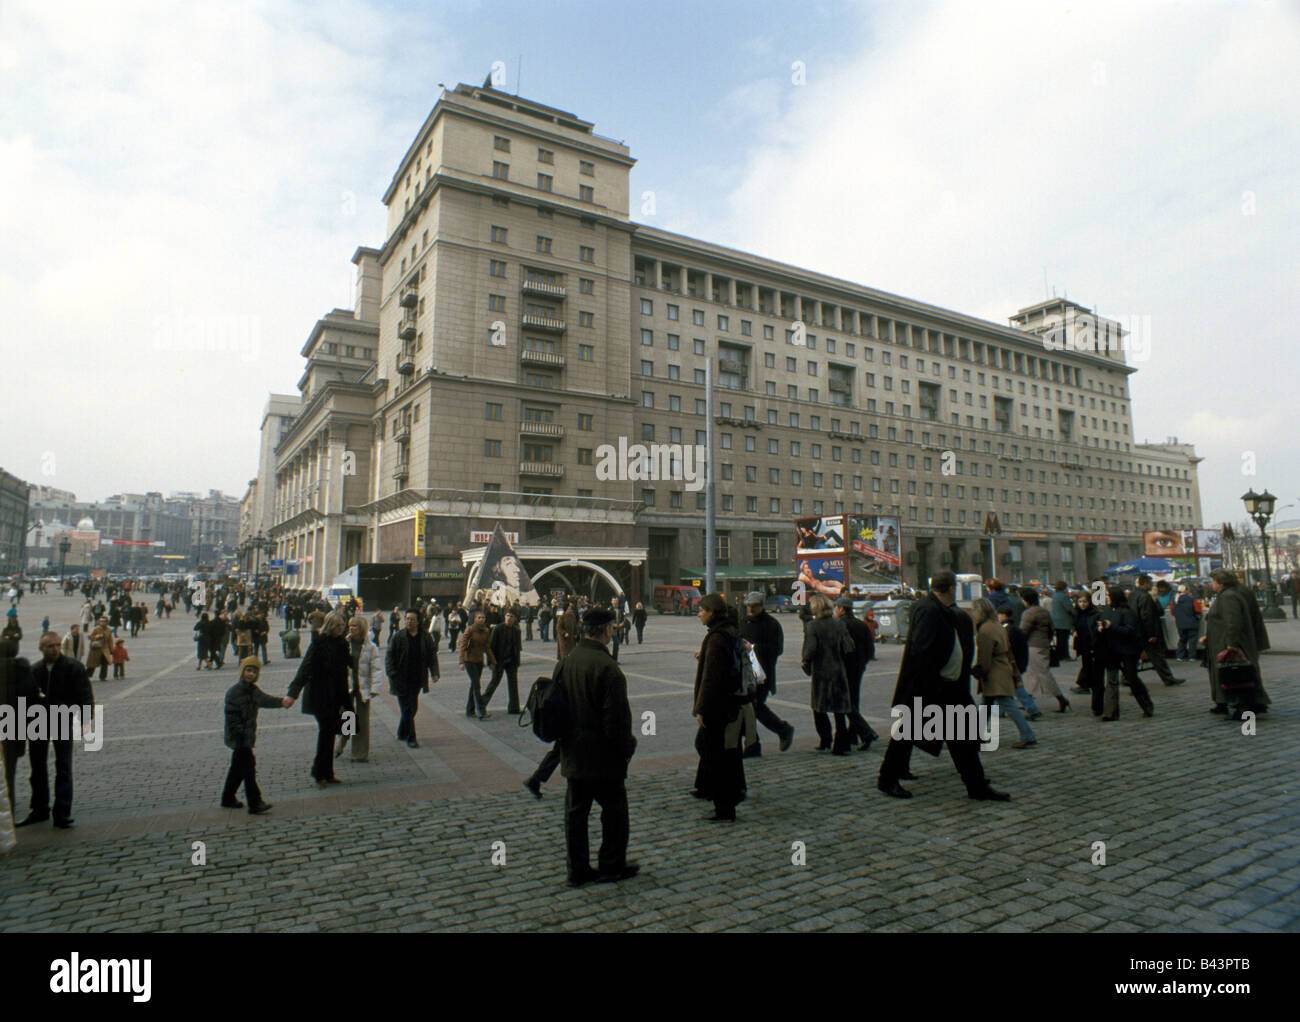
(779, 605)
(676, 599)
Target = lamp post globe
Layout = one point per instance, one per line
(1260, 508)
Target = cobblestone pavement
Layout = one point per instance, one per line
(1201, 823)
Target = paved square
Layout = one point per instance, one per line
(1201, 823)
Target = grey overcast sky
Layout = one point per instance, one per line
(166, 167)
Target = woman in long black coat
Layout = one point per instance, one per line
(202, 640)
(1085, 640)
(323, 678)
(1118, 646)
(826, 643)
(721, 774)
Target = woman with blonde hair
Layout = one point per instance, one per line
(996, 675)
(825, 644)
(324, 676)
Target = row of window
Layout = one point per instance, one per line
(1020, 362)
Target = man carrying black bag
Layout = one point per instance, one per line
(595, 753)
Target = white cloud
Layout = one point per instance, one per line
(972, 146)
(179, 169)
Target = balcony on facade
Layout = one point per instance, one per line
(402, 431)
(530, 356)
(410, 297)
(548, 429)
(541, 468)
(548, 323)
(405, 361)
(544, 288)
(406, 329)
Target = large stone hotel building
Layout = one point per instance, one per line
(516, 319)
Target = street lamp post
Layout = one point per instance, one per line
(1260, 508)
(64, 547)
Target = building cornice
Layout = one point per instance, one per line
(740, 264)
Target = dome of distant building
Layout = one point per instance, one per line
(86, 523)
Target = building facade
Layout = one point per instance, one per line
(527, 328)
(322, 467)
(14, 502)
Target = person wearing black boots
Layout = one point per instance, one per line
(1090, 680)
(936, 670)
(826, 645)
(1118, 647)
(767, 639)
(721, 774)
(864, 651)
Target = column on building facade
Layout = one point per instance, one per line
(731, 291)
(708, 286)
(658, 274)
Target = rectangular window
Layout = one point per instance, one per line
(543, 244)
(545, 156)
(586, 253)
(586, 193)
(492, 411)
(497, 303)
(502, 143)
(586, 319)
(545, 183)
(491, 448)
(498, 235)
(500, 171)
(674, 342)
(584, 420)
(586, 168)
(496, 268)
(586, 353)
(673, 312)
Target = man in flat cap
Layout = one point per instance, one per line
(767, 638)
(595, 756)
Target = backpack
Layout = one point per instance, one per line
(547, 710)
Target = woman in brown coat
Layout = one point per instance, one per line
(100, 644)
(721, 774)
(995, 670)
(473, 649)
(1234, 622)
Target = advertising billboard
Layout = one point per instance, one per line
(1182, 543)
(823, 574)
(819, 535)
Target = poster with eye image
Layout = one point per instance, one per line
(819, 535)
(1162, 543)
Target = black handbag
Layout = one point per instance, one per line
(1238, 677)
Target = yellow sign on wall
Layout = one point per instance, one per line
(419, 534)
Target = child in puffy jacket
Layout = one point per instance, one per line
(120, 657)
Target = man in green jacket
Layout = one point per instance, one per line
(595, 755)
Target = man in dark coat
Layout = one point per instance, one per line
(765, 634)
(595, 755)
(855, 664)
(15, 683)
(507, 646)
(410, 662)
(61, 684)
(1153, 635)
(936, 670)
